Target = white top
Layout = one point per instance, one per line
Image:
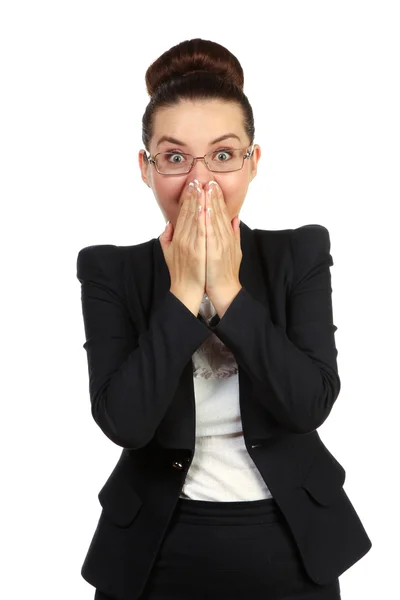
(222, 469)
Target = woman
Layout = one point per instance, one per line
(212, 363)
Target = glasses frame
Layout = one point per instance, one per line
(152, 160)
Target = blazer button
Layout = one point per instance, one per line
(177, 465)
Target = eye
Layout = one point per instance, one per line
(222, 151)
(174, 154)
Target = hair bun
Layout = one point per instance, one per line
(191, 57)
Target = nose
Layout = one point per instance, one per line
(201, 173)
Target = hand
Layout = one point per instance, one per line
(223, 250)
(184, 247)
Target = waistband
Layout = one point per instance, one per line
(228, 513)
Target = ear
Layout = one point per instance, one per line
(144, 167)
(254, 161)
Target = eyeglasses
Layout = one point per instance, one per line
(234, 161)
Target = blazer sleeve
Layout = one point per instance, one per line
(132, 378)
(294, 370)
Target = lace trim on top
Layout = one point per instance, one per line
(212, 360)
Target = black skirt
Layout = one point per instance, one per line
(236, 550)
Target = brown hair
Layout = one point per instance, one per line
(195, 69)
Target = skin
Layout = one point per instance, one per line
(197, 123)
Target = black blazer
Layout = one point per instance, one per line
(140, 340)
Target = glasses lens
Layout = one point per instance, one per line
(173, 163)
(225, 160)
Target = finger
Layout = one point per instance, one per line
(198, 225)
(221, 211)
(216, 227)
(210, 217)
(185, 217)
(201, 222)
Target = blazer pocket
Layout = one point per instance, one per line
(119, 500)
(325, 479)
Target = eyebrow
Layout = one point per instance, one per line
(166, 138)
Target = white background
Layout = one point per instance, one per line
(323, 81)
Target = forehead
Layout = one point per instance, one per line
(199, 122)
